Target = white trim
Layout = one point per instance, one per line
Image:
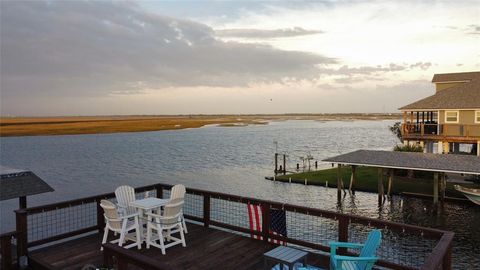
(476, 117)
(436, 109)
(452, 122)
(464, 81)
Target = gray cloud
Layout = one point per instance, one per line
(421, 65)
(473, 29)
(373, 70)
(73, 48)
(261, 33)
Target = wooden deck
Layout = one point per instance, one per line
(206, 249)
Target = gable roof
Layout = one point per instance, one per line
(455, 77)
(411, 160)
(463, 96)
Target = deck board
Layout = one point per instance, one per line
(206, 249)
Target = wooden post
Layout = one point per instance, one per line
(265, 221)
(339, 184)
(276, 162)
(122, 264)
(443, 185)
(447, 259)
(352, 178)
(22, 229)
(284, 164)
(159, 191)
(435, 187)
(22, 202)
(107, 258)
(6, 250)
(380, 186)
(100, 217)
(206, 210)
(390, 180)
(343, 223)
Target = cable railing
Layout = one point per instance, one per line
(403, 246)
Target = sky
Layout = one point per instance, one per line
(61, 58)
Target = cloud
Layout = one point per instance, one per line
(262, 33)
(473, 29)
(421, 65)
(373, 70)
(73, 48)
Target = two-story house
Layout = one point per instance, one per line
(449, 120)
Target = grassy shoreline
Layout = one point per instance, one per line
(366, 180)
(36, 126)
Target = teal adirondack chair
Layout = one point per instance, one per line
(365, 261)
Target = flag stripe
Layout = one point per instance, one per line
(255, 222)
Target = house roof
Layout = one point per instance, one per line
(411, 161)
(463, 96)
(455, 77)
(16, 183)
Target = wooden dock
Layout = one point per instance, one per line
(207, 248)
(220, 241)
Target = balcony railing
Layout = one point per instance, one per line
(440, 130)
(403, 246)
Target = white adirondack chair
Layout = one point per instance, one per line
(165, 225)
(178, 192)
(122, 224)
(125, 195)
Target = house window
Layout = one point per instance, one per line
(477, 117)
(451, 116)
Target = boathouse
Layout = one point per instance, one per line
(387, 161)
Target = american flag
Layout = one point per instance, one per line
(278, 222)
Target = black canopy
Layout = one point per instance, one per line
(16, 183)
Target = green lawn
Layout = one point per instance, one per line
(366, 180)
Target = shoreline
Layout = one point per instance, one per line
(76, 125)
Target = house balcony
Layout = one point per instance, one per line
(441, 132)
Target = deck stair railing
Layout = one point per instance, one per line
(403, 246)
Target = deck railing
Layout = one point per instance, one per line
(440, 130)
(403, 246)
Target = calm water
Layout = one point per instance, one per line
(230, 160)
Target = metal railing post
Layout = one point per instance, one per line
(206, 210)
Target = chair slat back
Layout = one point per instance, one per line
(172, 211)
(178, 191)
(111, 215)
(370, 247)
(125, 195)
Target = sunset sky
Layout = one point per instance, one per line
(241, 57)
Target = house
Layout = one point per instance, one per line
(449, 120)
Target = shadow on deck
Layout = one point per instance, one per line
(207, 248)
